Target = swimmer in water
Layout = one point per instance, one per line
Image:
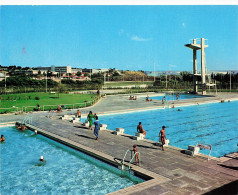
(2, 139)
(42, 159)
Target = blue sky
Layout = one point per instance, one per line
(123, 37)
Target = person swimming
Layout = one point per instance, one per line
(2, 139)
(42, 159)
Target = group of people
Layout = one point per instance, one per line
(162, 139)
(133, 97)
(21, 127)
(162, 136)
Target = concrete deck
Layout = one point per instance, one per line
(172, 171)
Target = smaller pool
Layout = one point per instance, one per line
(66, 171)
(169, 97)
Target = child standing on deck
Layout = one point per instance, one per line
(135, 152)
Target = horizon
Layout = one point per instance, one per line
(121, 37)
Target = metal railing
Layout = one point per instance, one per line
(27, 119)
(13, 107)
(132, 157)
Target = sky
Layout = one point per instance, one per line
(122, 37)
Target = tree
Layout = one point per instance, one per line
(79, 74)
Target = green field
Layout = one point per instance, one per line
(29, 101)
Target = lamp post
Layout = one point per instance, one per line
(154, 71)
(46, 83)
(5, 83)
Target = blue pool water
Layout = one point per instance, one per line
(169, 97)
(66, 171)
(215, 124)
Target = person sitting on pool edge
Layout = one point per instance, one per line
(162, 137)
(148, 99)
(135, 152)
(2, 139)
(140, 129)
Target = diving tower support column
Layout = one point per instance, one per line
(195, 87)
(203, 66)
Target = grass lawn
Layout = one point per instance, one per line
(126, 83)
(32, 99)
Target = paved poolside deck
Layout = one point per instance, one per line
(173, 171)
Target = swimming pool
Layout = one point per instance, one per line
(66, 171)
(214, 124)
(169, 97)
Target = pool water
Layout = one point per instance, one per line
(66, 171)
(169, 97)
(215, 124)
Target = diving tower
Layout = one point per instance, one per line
(195, 46)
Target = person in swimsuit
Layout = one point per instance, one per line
(90, 119)
(135, 152)
(162, 137)
(42, 159)
(2, 139)
(163, 100)
(140, 129)
(78, 114)
(59, 109)
(177, 96)
(23, 128)
(18, 126)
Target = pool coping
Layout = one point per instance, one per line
(150, 178)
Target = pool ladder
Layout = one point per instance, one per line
(27, 119)
(132, 157)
